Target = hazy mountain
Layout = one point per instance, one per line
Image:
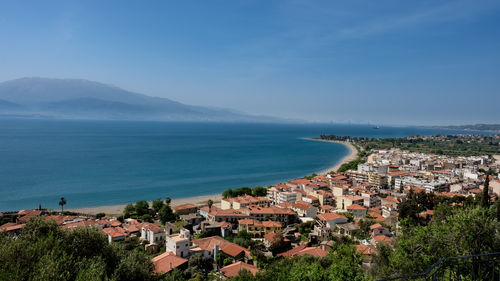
(82, 99)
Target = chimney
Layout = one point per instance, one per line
(170, 266)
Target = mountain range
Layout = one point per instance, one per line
(83, 99)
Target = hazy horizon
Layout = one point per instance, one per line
(423, 63)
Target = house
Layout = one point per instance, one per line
(218, 215)
(11, 228)
(304, 209)
(273, 213)
(153, 233)
(209, 247)
(167, 262)
(234, 269)
(366, 251)
(304, 250)
(495, 187)
(257, 228)
(380, 238)
(331, 220)
(347, 200)
(178, 244)
(357, 210)
(378, 229)
(288, 196)
(185, 209)
(389, 200)
(348, 229)
(243, 201)
(115, 234)
(273, 237)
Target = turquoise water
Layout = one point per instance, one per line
(94, 163)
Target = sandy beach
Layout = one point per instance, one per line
(353, 154)
(201, 200)
(118, 209)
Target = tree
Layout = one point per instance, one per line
(259, 191)
(142, 208)
(100, 215)
(62, 202)
(485, 196)
(228, 193)
(166, 214)
(210, 203)
(168, 200)
(128, 211)
(157, 204)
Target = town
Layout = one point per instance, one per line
(303, 216)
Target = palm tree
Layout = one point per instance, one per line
(168, 200)
(62, 202)
(210, 203)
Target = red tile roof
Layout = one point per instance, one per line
(375, 226)
(234, 269)
(365, 249)
(184, 207)
(167, 262)
(330, 216)
(227, 247)
(356, 207)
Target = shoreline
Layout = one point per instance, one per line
(118, 209)
(353, 154)
(201, 200)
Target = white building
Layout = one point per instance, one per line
(152, 233)
(179, 243)
(287, 196)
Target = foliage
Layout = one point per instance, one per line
(100, 215)
(341, 264)
(255, 191)
(142, 207)
(466, 231)
(166, 214)
(157, 204)
(43, 251)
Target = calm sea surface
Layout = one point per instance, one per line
(94, 163)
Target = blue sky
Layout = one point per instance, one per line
(386, 62)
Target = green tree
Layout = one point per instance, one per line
(141, 208)
(228, 193)
(62, 202)
(485, 196)
(128, 211)
(168, 200)
(259, 191)
(166, 214)
(157, 204)
(210, 203)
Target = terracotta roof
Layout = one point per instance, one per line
(302, 205)
(375, 226)
(85, 223)
(167, 262)
(227, 247)
(152, 227)
(330, 216)
(32, 212)
(294, 251)
(313, 251)
(115, 232)
(272, 237)
(115, 223)
(234, 269)
(382, 238)
(365, 249)
(271, 224)
(356, 207)
(184, 206)
(300, 181)
(327, 207)
(304, 250)
(252, 209)
(10, 226)
(353, 197)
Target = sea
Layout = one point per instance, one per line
(96, 163)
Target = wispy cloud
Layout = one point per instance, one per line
(463, 10)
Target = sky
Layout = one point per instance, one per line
(426, 62)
